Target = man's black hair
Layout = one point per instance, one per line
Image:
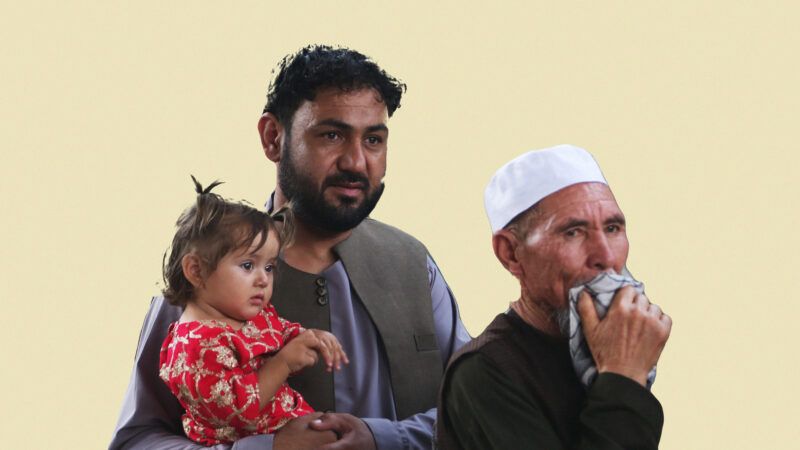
(301, 75)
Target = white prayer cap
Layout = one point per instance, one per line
(528, 178)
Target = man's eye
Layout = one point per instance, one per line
(331, 135)
(613, 228)
(374, 140)
(268, 268)
(247, 266)
(571, 233)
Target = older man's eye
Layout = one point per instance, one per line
(613, 228)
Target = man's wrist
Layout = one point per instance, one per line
(386, 433)
(635, 375)
(257, 442)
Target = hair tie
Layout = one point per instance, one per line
(199, 188)
(280, 214)
(285, 216)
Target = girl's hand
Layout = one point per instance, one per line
(300, 352)
(331, 350)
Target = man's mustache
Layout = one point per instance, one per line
(347, 178)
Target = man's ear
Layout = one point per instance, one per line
(272, 133)
(505, 244)
(193, 269)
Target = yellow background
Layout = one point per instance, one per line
(690, 107)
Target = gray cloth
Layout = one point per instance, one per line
(602, 289)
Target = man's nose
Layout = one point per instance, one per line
(353, 158)
(601, 255)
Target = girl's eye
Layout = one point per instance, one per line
(247, 266)
(268, 268)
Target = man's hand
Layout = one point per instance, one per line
(630, 338)
(353, 433)
(296, 435)
(331, 350)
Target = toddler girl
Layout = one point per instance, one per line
(228, 357)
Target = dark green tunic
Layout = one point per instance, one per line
(514, 387)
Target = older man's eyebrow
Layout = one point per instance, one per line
(616, 219)
(572, 223)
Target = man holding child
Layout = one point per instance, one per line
(325, 126)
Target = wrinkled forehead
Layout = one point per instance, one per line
(584, 201)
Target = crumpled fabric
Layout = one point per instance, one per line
(602, 289)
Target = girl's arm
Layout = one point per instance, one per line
(300, 352)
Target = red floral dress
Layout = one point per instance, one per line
(213, 370)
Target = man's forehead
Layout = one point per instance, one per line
(579, 199)
(357, 108)
(328, 99)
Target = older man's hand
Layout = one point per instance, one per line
(629, 339)
(353, 433)
(296, 435)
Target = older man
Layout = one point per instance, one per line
(530, 380)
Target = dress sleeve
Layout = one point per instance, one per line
(485, 410)
(150, 416)
(290, 329)
(214, 385)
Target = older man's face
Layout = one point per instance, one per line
(577, 233)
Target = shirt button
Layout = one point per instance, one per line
(320, 281)
(322, 300)
(321, 291)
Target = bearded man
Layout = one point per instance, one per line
(570, 364)
(325, 126)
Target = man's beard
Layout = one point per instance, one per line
(561, 317)
(310, 206)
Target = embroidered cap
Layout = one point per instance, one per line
(528, 178)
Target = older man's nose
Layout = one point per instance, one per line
(601, 255)
(353, 158)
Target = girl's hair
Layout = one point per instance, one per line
(212, 228)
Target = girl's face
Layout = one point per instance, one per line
(241, 285)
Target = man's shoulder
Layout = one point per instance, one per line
(498, 333)
(501, 344)
(383, 241)
(376, 228)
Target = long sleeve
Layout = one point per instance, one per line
(416, 432)
(486, 410)
(150, 418)
(213, 371)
